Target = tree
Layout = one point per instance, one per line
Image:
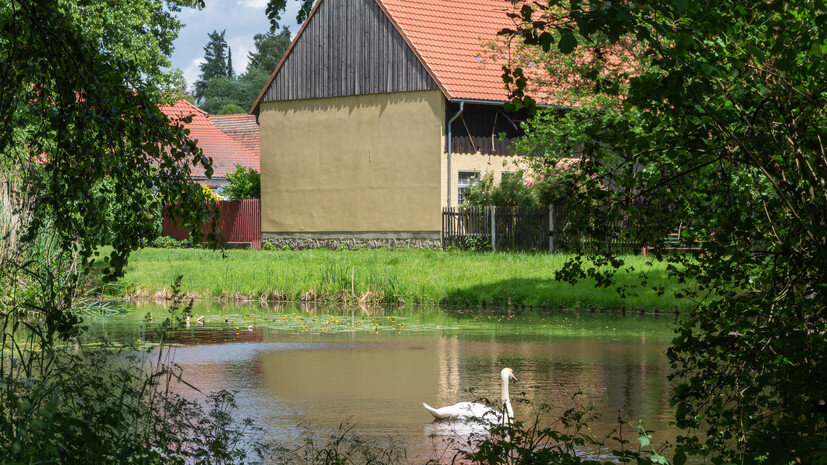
(230, 109)
(230, 71)
(241, 91)
(245, 183)
(269, 48)
(275, 8)
(215, 62)
(84, 132)
(512, 191)
(722, 138)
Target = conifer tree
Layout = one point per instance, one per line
(215, 64)
(230, 72)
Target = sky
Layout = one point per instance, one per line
(241, 18)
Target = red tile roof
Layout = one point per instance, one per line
(241, 127)
(453, 40)
(448, 36)
(224, 151)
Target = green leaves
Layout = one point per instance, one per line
(713, 150)
(108, 160)
(567, 42)
(245, 183)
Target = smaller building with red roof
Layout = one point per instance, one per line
(227, 145)
(381, 113)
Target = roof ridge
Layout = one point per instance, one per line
(188, 103)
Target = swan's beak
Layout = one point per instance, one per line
(513, 377)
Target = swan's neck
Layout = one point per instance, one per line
(505, 401)
(504, 391)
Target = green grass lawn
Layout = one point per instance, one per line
(375, 276)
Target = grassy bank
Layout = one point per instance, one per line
(377, 276)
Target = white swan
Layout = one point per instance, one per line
(473, 411)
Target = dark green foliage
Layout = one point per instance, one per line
(218, 87)
(245, 183)
(241, 91)
(565, 441)
(512, 191)
(230, 109)
(477, 244)
(68, 403)
(275, 8)
(269, 48)
(215, 64)
(219, 91)
(230, 70)
(720, 139)
(84, 131)
(344, 446)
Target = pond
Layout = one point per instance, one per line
(323, 365)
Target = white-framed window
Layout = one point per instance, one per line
(465, 179)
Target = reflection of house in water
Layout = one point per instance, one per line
(447, 352)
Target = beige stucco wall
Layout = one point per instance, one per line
(366, 163)
(496, 164)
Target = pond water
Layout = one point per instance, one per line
(323, 365)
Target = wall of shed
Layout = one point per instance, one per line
(367, 163)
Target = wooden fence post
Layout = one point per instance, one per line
(442, 234)
(493, 228)
(551, 228)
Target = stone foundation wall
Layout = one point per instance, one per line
(352, 241)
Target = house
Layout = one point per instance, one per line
(226, 149)
(242, 128)
(380, 113)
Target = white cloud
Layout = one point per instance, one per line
(240, 45)
(257, 4)
(192, 71)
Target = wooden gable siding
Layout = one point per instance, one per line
(348, 47)
(479, 128)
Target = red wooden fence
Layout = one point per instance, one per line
(239, 221)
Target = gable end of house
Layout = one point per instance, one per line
(347, 47)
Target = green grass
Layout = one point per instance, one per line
(385, 276)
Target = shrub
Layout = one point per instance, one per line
(512, 191)
(230, 109)
(245, 183)
(166, 242)
(477, 244)
(209, 194)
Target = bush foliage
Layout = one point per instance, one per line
(245, 183)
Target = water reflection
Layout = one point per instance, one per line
(380, 381)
